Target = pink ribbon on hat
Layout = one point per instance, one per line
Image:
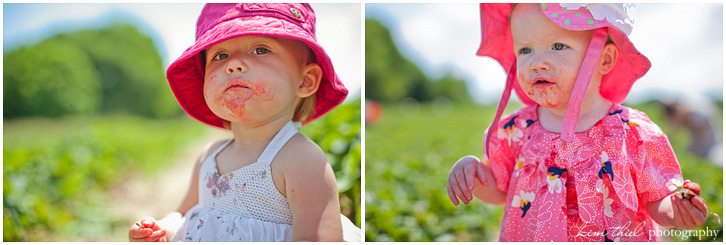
(583, 81)
(511, 74)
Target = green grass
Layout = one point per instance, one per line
(408, 157)
(56, 172)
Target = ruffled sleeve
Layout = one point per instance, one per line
(655, 166)
(501, 160)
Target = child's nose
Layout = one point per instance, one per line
(540, 63)
(236, 65)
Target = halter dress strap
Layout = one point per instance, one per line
(220, 148)
(280, 139)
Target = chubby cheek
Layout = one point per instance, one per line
(209, 88)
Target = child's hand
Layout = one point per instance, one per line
(461, 179)
(689, 209)
(146, 230)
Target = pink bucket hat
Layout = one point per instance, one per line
(609, 20)
(219, 22)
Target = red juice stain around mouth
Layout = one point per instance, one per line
(545, 94)
(238, 98)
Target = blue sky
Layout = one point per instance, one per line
(684, 43)
(172, 26)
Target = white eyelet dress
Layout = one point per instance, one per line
(243, 205)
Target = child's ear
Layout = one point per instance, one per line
(608, 58)
(312, 74)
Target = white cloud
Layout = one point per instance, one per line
(338, 30)
(684, 55)
(446, 37)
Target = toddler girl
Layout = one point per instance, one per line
(574, 164)
(257, 70)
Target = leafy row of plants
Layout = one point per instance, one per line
(56, 173)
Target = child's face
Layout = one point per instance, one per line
(253, 79)
(548, 57)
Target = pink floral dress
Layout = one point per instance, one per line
(592, 189)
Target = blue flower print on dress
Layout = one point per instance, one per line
(627, 122)
(607, 167)
(630, 123)
(523, 201)
(615, 112)
(554, 184)
(555, 172)
(510, 131)
(510, 125)
(526, 123)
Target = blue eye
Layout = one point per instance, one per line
(559, 46)
(260, 50)
(220, 56)
(525, 51)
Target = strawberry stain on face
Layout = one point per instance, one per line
(551, 88)
(237, 96)
(547, 95)
(235, 100)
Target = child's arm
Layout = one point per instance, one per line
(167, 226)
(675, 211)
(462, 182)
(311, 191)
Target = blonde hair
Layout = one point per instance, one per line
(305, 109)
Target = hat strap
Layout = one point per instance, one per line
(583, 81)
(502, 104)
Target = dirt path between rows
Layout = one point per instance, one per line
(156, 196)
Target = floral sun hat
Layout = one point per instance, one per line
(609, 20)
(219, 22)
